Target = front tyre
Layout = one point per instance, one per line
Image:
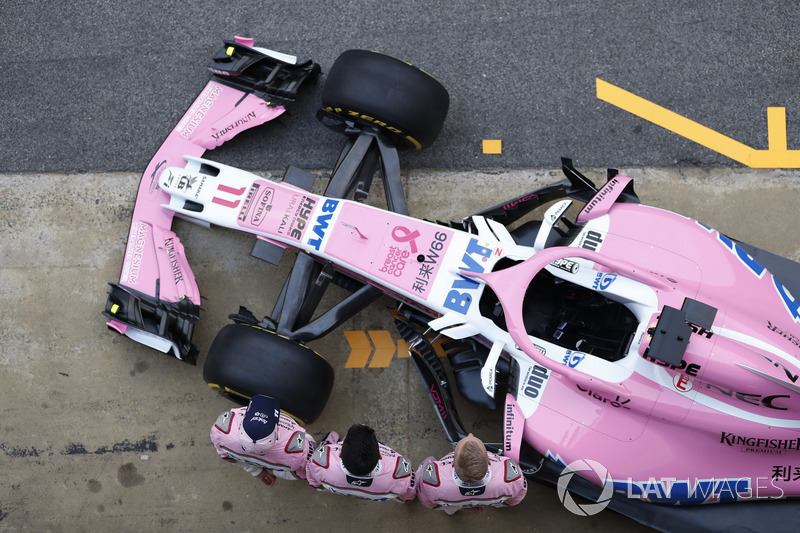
(373, 89)
(247, 360)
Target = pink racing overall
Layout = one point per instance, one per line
(286, 459)
(439, 487)
(392, 478)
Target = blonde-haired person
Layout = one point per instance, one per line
(470, 477)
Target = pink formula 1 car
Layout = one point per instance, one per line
(646, 344)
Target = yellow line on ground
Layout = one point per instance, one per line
(777, 156)
(776, 128)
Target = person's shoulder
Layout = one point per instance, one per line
(287, 422)
(430, 474)
(398, 466)
(447, 459)
(296, 441)
(326, 454)
(510, 469)
(387, 451)
(225, 421)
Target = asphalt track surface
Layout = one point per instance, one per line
(101, 433)
(95, 86)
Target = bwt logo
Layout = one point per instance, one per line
(321, 224)
(459, 298)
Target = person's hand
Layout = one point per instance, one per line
(267, 477)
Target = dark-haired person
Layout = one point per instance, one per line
(360, 466)
(263, 441)
(469, 477)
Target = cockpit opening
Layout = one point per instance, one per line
(568, 315)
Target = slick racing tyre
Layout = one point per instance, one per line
(247, 360)
(373, 89)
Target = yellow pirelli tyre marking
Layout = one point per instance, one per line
(228, 391)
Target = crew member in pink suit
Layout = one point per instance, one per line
(262, 440)
(361, 466)
(469, 477)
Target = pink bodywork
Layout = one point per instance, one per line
(724, 426)
(154, 253)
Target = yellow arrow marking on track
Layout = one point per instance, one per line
(402, 349)
(362, 343)
(384, 348)
(360, 349)
(777, 156)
